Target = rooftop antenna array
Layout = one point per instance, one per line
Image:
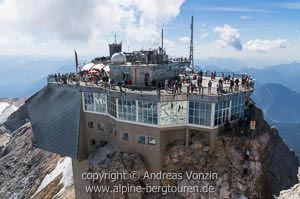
(162, 39)
(191, 58)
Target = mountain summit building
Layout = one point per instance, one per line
(129, 100)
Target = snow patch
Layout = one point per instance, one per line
(3, 106)
(6, 110)
(64, 166)
(4, 139)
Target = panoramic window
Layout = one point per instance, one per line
(95, 102)
(127, 109)
(142, 139)
(222, 112)
(151, 140)
(111, 106)
(237, 108)
(199, 113)
(100, 102)
(88, 101)
(147, 112)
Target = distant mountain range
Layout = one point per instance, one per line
(22, 76)
(291, 135)
(285, 74)
(281, 109)
(279, 103)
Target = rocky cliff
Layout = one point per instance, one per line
(25, 171)
(270, 168)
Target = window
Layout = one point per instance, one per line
(88, 101)
(125, 136)
(95, 102)
(222, 112)
(127, 109)
(100, 102)
(199, 113)
(111, 106)
(91, 124)
(237, 108)
(142, 139)
(93, 142)
(147, 112)
(101, 126)
(151, 140)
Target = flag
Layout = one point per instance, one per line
(76, 61)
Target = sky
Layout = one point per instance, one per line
(253, 31)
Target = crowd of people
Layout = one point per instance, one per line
(193, 83)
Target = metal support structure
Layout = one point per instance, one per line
(162, 39)
(191, 58)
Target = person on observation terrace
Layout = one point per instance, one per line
(231, 85)
(237, 81)
(209, 87)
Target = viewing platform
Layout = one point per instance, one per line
(164, 92)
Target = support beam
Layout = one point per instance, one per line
(187, 137)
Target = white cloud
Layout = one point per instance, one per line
(231, 9)
(265, 45)
(184, 39)
(204, 32)
(290, 5)
(228, 36)
(245, 17)
(89, 20)
(169, 43)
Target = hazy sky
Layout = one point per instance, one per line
(266, 30)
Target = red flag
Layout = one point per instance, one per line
(76, 61)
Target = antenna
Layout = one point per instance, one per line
(115, 38)
(191, 58)
(162, 39)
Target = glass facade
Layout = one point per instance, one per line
(127, 109)
(147, 112)
(237, 108)
(165, 113)
(200, 113)
(94, 102)
(88, 101)
(100, 102)
(222, 112)
(111, 106)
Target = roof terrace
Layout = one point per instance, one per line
(218, 85)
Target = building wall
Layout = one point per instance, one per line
(113, 133)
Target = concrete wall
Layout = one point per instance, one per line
(112, 132)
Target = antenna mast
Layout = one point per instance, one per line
(162, 39)
(191, 58)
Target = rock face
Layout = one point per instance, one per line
(23, 167)
(293, 193)
(270, 168)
